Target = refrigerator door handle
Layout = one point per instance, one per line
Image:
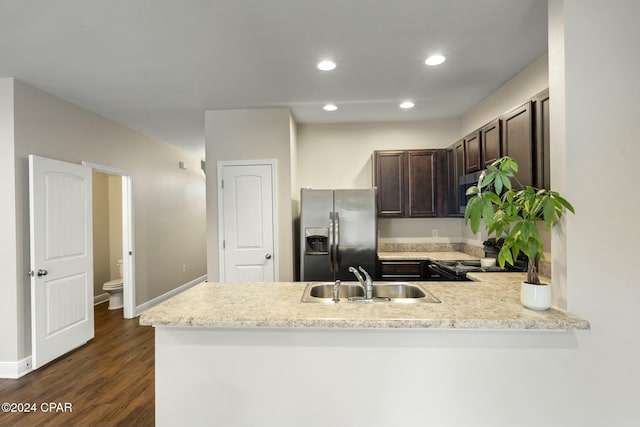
(331, 243)
(336, 243)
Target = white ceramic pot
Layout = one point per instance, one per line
(535, 297)
(487, 262)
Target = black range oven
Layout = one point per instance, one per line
(450, 270)
(457, 270)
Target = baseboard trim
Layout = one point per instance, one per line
(157, 300)
(15, 370)
(99, 299)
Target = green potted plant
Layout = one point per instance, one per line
(512, 214)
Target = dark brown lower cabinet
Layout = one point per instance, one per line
(408, 270)
(405, 271)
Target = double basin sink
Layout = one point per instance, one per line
(389, 292)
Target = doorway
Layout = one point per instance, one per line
(119, 238)
(107, 238)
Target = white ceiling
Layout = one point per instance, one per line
(157, 65)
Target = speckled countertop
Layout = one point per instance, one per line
(492, 302)
(441, 256)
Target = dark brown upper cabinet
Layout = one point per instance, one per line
(407, 183)
(455, 169)
(517, 142)
(490, 136)
(543, 158)
(521, 133)
(389, 174)
(473, 157)
(423, 194)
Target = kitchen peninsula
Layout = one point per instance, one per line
(253, 354)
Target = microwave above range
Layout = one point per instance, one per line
(464, 182)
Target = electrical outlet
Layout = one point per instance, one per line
(434, 232)
(184, 268)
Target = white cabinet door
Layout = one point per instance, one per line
(61, 257)
(247, 223)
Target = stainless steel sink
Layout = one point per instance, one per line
(398, 290)
(325, 290)
(390, 292)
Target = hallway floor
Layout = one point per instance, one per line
(108, 382)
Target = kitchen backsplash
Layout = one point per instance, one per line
(418, 247)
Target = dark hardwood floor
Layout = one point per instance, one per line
(108, 382)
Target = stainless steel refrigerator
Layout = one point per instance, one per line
(338, 229)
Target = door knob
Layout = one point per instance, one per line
(42, 272)
(268, 256)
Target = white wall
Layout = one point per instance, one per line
(601, 93)
(558, 147)
(339, 155)
(253, 134)
(375, 378)
(8, 255)
(533, 79)
(169, 203)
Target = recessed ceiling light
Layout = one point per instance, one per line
(407, 104)
(330, 107)
(326, 65)
(435, 60)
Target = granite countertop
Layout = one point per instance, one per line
(419, 256)
(492, 302)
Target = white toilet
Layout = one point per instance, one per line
(114, 289)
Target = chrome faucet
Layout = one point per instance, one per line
(365, 281)
(336, 291)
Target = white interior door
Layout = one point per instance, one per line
(248, 228)
(61, 257)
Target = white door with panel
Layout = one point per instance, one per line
(248, 228)
(60, 213)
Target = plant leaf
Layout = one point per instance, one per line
(505, 255)
(563, 202)
(473, 212)
(549, 213)
(498, 184)
(531, 249)
(487, 212)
